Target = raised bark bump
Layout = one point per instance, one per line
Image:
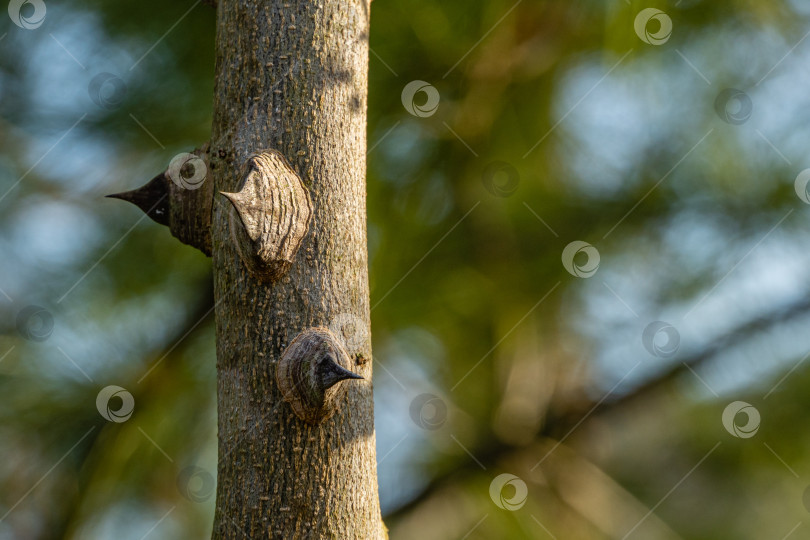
(309, 374)
(273, 209)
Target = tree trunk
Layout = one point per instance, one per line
(292, 77)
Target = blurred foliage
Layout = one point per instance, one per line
(556, 123)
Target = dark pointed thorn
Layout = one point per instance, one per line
(330, 373)
(352, 374)
(152, 198)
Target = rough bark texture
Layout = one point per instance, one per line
(292, 76)
(190, 204)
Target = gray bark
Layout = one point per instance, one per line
(292, 76)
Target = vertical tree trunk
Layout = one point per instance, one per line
(292, 76)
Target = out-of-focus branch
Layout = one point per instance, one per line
(742, 332)
(566, 418)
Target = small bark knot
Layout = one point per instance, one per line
(308, 374)
(274, 210)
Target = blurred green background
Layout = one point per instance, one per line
(676, 155)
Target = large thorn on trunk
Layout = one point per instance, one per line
(180, 198)
(152, 198)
